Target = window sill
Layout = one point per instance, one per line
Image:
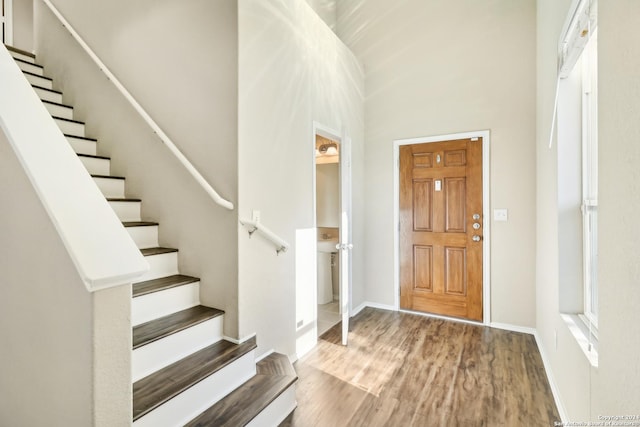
(587, 340)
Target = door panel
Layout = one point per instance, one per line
(440, 263)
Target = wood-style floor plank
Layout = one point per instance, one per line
(407, 370)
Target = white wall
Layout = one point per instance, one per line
(45, 313)
(612, 388)
(23, 24)
(618, 374)
(328, 195)
(442, 67)
(326, 10)
(180, 63)
(293, 71)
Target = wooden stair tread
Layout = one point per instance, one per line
(81, 137)
(243, 404)
(91, 156)
(156, 285)
(164, 326)
(47, 89)
(27, 62)
(68, 120)
(122, 199)
(20, 51)
(157, 251)
(108, 176)
(38, 75)
(139, 223)
(55, 103)
(157, 388)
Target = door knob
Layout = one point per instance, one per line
(476, 238)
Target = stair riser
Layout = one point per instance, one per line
(278, 410)
(161, 265)
(190, 403)
(144, 237)
(59, 111)
(148, 359)
(23, 57)
(70, 128)
(30, 68)
(110, 187)
(127, 211)
(39, 81)
(83, 146)
(96, 166)
(45, 95)
(158, 304)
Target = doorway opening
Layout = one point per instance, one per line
(327, 212)
(442, 238)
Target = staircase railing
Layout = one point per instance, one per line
(145, 116)
(252, 226)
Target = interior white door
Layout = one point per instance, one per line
(345, 246)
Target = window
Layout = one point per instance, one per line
(577, 116)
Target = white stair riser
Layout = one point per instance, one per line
(193, 401)
(45, 95)
(127, 211)
(144, 237)
(59, 110)
(278, 410)
(30, 68)
(110, 187)
(96, 166)
(158, 304)
(39, 81)
(83, 146)
(23, 57)
(148, 359)
(160, 266)
(70, 128)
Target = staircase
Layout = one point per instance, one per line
(183, 371)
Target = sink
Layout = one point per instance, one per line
(327, 245)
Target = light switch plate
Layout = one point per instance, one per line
(500, 215)
(255, 216)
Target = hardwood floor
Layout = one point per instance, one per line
(407, 370)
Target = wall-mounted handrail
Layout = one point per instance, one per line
(253, 226)
(145, 116)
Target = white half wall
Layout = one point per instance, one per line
(445, 67)
(293, 71)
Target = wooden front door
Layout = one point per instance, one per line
(441, 228)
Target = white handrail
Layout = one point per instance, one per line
(154, 126)
(253, 226)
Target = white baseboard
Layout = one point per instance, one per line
(513, 328)
(366, 304)
(239, 341)
(552, 383)
(263, 355)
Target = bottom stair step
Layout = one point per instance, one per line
(245, 405)
(172, 381)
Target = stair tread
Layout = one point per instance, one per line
(108, 176)
(156, 285)
(55, 103)
(20, 51)
(68, 120)
(122, 199)
(159, 328)
(81, 137)
(27, 62)
(37, 75)
(139, 223)
(157, 388)
(242, 405)
(91, 156)
(47, 89)
(157, 251)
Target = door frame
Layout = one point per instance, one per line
(341, 138)
(486, 212)
(7, 19)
